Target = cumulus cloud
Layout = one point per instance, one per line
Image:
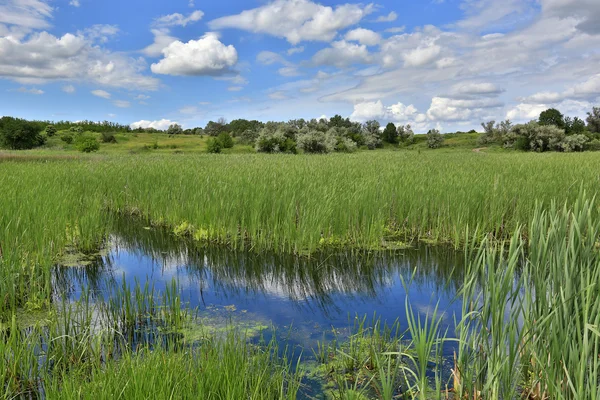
(421, 56)
(205, 56)
(75, 3)
(450, 109)
(391, 17)
(162, 39)
(363, 36)
(178, 19)
(296, 20)
(376, 110)
(161, 125)
(343, 54)
(101, 93)
(295, 50)
(42, 57)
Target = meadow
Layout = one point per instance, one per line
(504, 209)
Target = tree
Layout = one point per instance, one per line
(552, 117)
(435, 140)
(175, 129)
(575, 126)
(593, 120)
(19, 134)
(87, 143)
(213, 145)
(406, 134)
(390, 134)
(338, 122)
(214, 128)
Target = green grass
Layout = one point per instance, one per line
(51, 202)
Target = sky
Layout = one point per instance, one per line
(445, 64)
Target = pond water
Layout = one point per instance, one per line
(308, 299)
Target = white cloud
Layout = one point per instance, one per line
(101, 93)
(296, 20)
(161, 125)
(189, 110)
(295, 50)
(122, 103)
(391, 17)
(142, 97)
(25, 14)
(42, 57)
(205, 56)
(398, 112)
(587, 12)
(29, 91)
(235, 88)
(70, 89)
(162, 39)
(101, 33)
(75, 3)
(421, 56)
(397, 29)
(525, 111)
(449, 109)
(288, 71)
(477, 89)
(343, 54)
(364, 36)
(178, 19)
(269, 58)
(543, 97)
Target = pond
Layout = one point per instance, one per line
(309, 299)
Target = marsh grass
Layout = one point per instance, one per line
(531, 296)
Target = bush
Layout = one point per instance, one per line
(50, 130)
(574, 143)
(108, 137)
(311, 141)
(345, 145)
(272, 139)
(213, 146)
(593, 145)
(67, 138)
(87, 144)
(249, 136)
(406, 134)
(19, 134)
(435, 140)
(226, 140)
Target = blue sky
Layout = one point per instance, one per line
(449, 64)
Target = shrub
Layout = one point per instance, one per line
(272, 139)
(213, 145)
(593, 145)
(108, 137)
(67, 138)
(574, 143)
(312, 141)
(345, 145)
(76, 129)
(226, 140)
(87, 144)
(249, 136)
(435, 140)
(19, 134)
(50, 130)
(535, 137)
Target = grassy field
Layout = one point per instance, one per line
(53, 199)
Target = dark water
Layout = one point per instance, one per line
(306, 298)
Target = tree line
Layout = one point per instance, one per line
(552, 131)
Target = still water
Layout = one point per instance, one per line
(308, 298)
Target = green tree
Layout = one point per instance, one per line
(226, 140)
(593, 120)
(213, 145)
(552, 117)
(175, 129)
(435, 140)
(87, 143)
(406, 134)
(390, 134)
(19, 134)
(575, 126)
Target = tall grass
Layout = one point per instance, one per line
(531, 295)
